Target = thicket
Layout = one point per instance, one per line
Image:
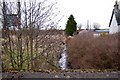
(34, 41)
(88, 52)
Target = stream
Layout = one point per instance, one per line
(63, 59)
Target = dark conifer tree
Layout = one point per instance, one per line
(71, 26)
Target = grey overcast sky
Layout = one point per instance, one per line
(99, 11)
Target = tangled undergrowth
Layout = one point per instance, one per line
(88, 52)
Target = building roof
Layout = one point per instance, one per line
(116, 12)
(117, 15)
(105, 30)
(94, 31)
(111, 17)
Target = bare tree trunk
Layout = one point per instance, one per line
(10, 47)
(28, 66)
(4, 31)
(36, 51)
(31, 51)
(27, 39)
(20, 36)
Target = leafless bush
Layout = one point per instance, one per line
(30, 44)
(87, 52)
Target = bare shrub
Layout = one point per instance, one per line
(87, 52)
(35, 42)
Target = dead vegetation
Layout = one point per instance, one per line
(87, 52)
(35, 42)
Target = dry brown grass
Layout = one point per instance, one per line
(87, 52)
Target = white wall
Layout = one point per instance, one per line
(114, 26)
(119, 4)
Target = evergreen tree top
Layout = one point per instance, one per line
(71, 17)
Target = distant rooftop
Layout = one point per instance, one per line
(97, 31)
(102, 30)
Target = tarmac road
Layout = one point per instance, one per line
(61, 75)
